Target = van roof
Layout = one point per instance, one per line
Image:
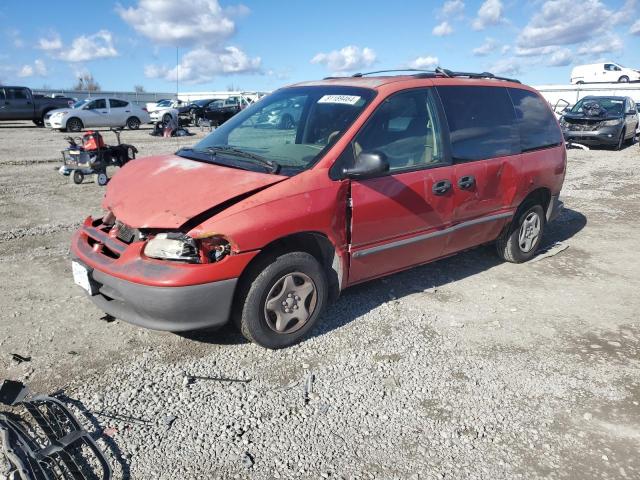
(383, 77)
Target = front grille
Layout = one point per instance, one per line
(584, 127)
(126, 234)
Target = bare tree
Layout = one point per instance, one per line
(86, 82)
(138, 88)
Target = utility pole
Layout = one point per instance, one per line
(177, 72)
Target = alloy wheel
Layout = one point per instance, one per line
(290, 303)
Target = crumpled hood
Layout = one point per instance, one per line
(166, 191)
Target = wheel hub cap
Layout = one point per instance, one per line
(290, 303)
(529, 232)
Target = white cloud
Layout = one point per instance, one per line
(442, 29)
(169, 22)
(486, 48)
(88, 47)
(559, 22)
(490, 13)
(506, 66)
(202, 65)
(16, 39)
(346, 59)
(53, 42)
(607, 43)
(635, 28)
(428, 62)
(505, 49)
(38, 69)
(452, 7)
(561, 58)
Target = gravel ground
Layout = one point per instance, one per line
(465, 368)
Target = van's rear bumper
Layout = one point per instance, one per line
(173, 309)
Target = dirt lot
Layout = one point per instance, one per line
(466, 368)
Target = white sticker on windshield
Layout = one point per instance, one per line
(343, 99)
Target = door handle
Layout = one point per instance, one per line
(466, 182)
(441, 187)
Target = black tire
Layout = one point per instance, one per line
(166, 119)
(251, 312)
(579, 82)
(39, 123)
(77, 177)
(508, 243)
(623, 79)
(74, 124)
(133, 123)
(621, 140)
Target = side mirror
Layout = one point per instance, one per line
(368, 164)
(632, 112)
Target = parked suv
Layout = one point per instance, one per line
(266, 225)
(595, 120)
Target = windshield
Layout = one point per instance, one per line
(292, 127)
(202, 103)
(600, 106)
(80, 103)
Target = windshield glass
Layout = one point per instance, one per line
(80, 103)
(203, 102)
(293, 127)
(610, 106)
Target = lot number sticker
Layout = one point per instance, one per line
(343, 99)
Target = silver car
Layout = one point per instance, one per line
(97, 112)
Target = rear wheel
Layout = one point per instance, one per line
(166, 119)
(579, 82)
(133, 123)
(519, 242)
(74, 124)
(102, 179)
(77, 177)
(623, 79)
(282, 300)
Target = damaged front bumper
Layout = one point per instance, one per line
(155, 294)
(603, 136)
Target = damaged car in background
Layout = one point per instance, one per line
(601, 121)
(267, 219)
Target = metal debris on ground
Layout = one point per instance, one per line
(168, 421)
(308, 387)
(550, 251)
(247, 460)
(577, 145)
(20, 358)
(47, 442)
(190, 379)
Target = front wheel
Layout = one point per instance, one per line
(282, 301)
(74, 124)
(519, 242)
(102, 179)
(623, 79)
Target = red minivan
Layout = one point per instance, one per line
(317, 187)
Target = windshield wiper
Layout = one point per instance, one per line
(273, 166)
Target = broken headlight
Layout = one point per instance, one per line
(180, 247)
(172, 246)
(611, 123)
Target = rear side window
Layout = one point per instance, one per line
(482, 122)
(115, 103)
(537, 125)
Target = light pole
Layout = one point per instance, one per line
(177, 71)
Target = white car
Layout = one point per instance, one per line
(164, 104)
(603, 73)
(97, 112)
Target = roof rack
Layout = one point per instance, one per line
(438, 72)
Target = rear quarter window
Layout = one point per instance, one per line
(537, 125)
(481, 120)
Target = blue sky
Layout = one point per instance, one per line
(262, 45)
